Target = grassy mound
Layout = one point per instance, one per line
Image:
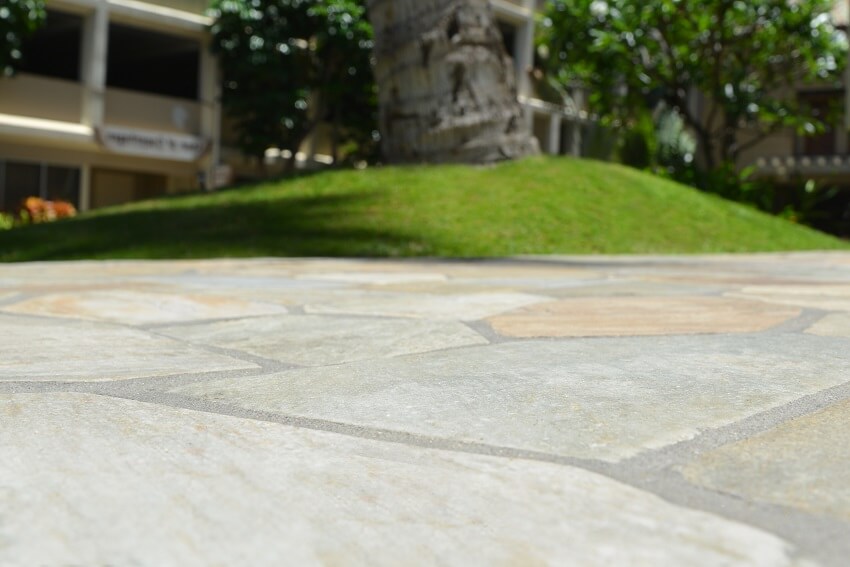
(536, 206)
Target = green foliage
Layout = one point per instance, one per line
(565, 206)
(7, 221)
(18, 19)
(745, 57)
(290, 65)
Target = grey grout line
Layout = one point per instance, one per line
(800, 323)
(16, 298)
(199, 322)
(484, 329)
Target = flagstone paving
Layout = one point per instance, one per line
(554, 411)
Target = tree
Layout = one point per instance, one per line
(290, 65)
(745, 57)
(18, 19)
(445, 82)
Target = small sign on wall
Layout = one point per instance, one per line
(152, 144)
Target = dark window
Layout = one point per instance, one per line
(827, 107)
(22, 181)
(63, 184)
(508, 37)
(54, 50)
(142, 60)
(19, 180)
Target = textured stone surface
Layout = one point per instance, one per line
(833, 325)
(141, 308)
(133, 483)
(374, 278)
(315, 340)
(636, 289)
(800, 464)
(174, 468)
(829, 297)
(599, 399)
(45, 349)
(627, 316)
(465, 307)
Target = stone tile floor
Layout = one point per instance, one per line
(552, 411)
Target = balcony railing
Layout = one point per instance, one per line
(192, 6)
(803, 165)
(152, 112)
(41, 97)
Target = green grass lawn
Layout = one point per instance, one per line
(536, 206)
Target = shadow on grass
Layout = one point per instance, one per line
(335, 225)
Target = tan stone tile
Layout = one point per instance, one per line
(136, 308)
(89, 480)
(636, 316)
(801, 464)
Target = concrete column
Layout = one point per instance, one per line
(553, 145)
(210, 99)
(524, 54)
(85, 187)
(94, 53)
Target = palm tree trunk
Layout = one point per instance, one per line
(447, 89)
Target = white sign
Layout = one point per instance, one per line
(151, 144)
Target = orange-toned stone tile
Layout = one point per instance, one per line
(640, 316)
(136, 308)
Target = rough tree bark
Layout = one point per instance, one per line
(447, 89)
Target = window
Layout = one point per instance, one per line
(827, 107)
(508, 37)
(152, 62)
(19, 180)
(54, 50)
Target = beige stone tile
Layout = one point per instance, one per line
(466, 307)
(833, 325)
(137, 308)
(88, 480)
(635, 316)
(373, 278)
(312, 340)
(801, 464)
(606, 399)
(827, 297)
(35, 349)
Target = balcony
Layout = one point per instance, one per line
(191, 6)
(45, 98)
(152, 112)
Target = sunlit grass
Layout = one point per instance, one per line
(535, 206)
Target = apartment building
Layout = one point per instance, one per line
(117, 100)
